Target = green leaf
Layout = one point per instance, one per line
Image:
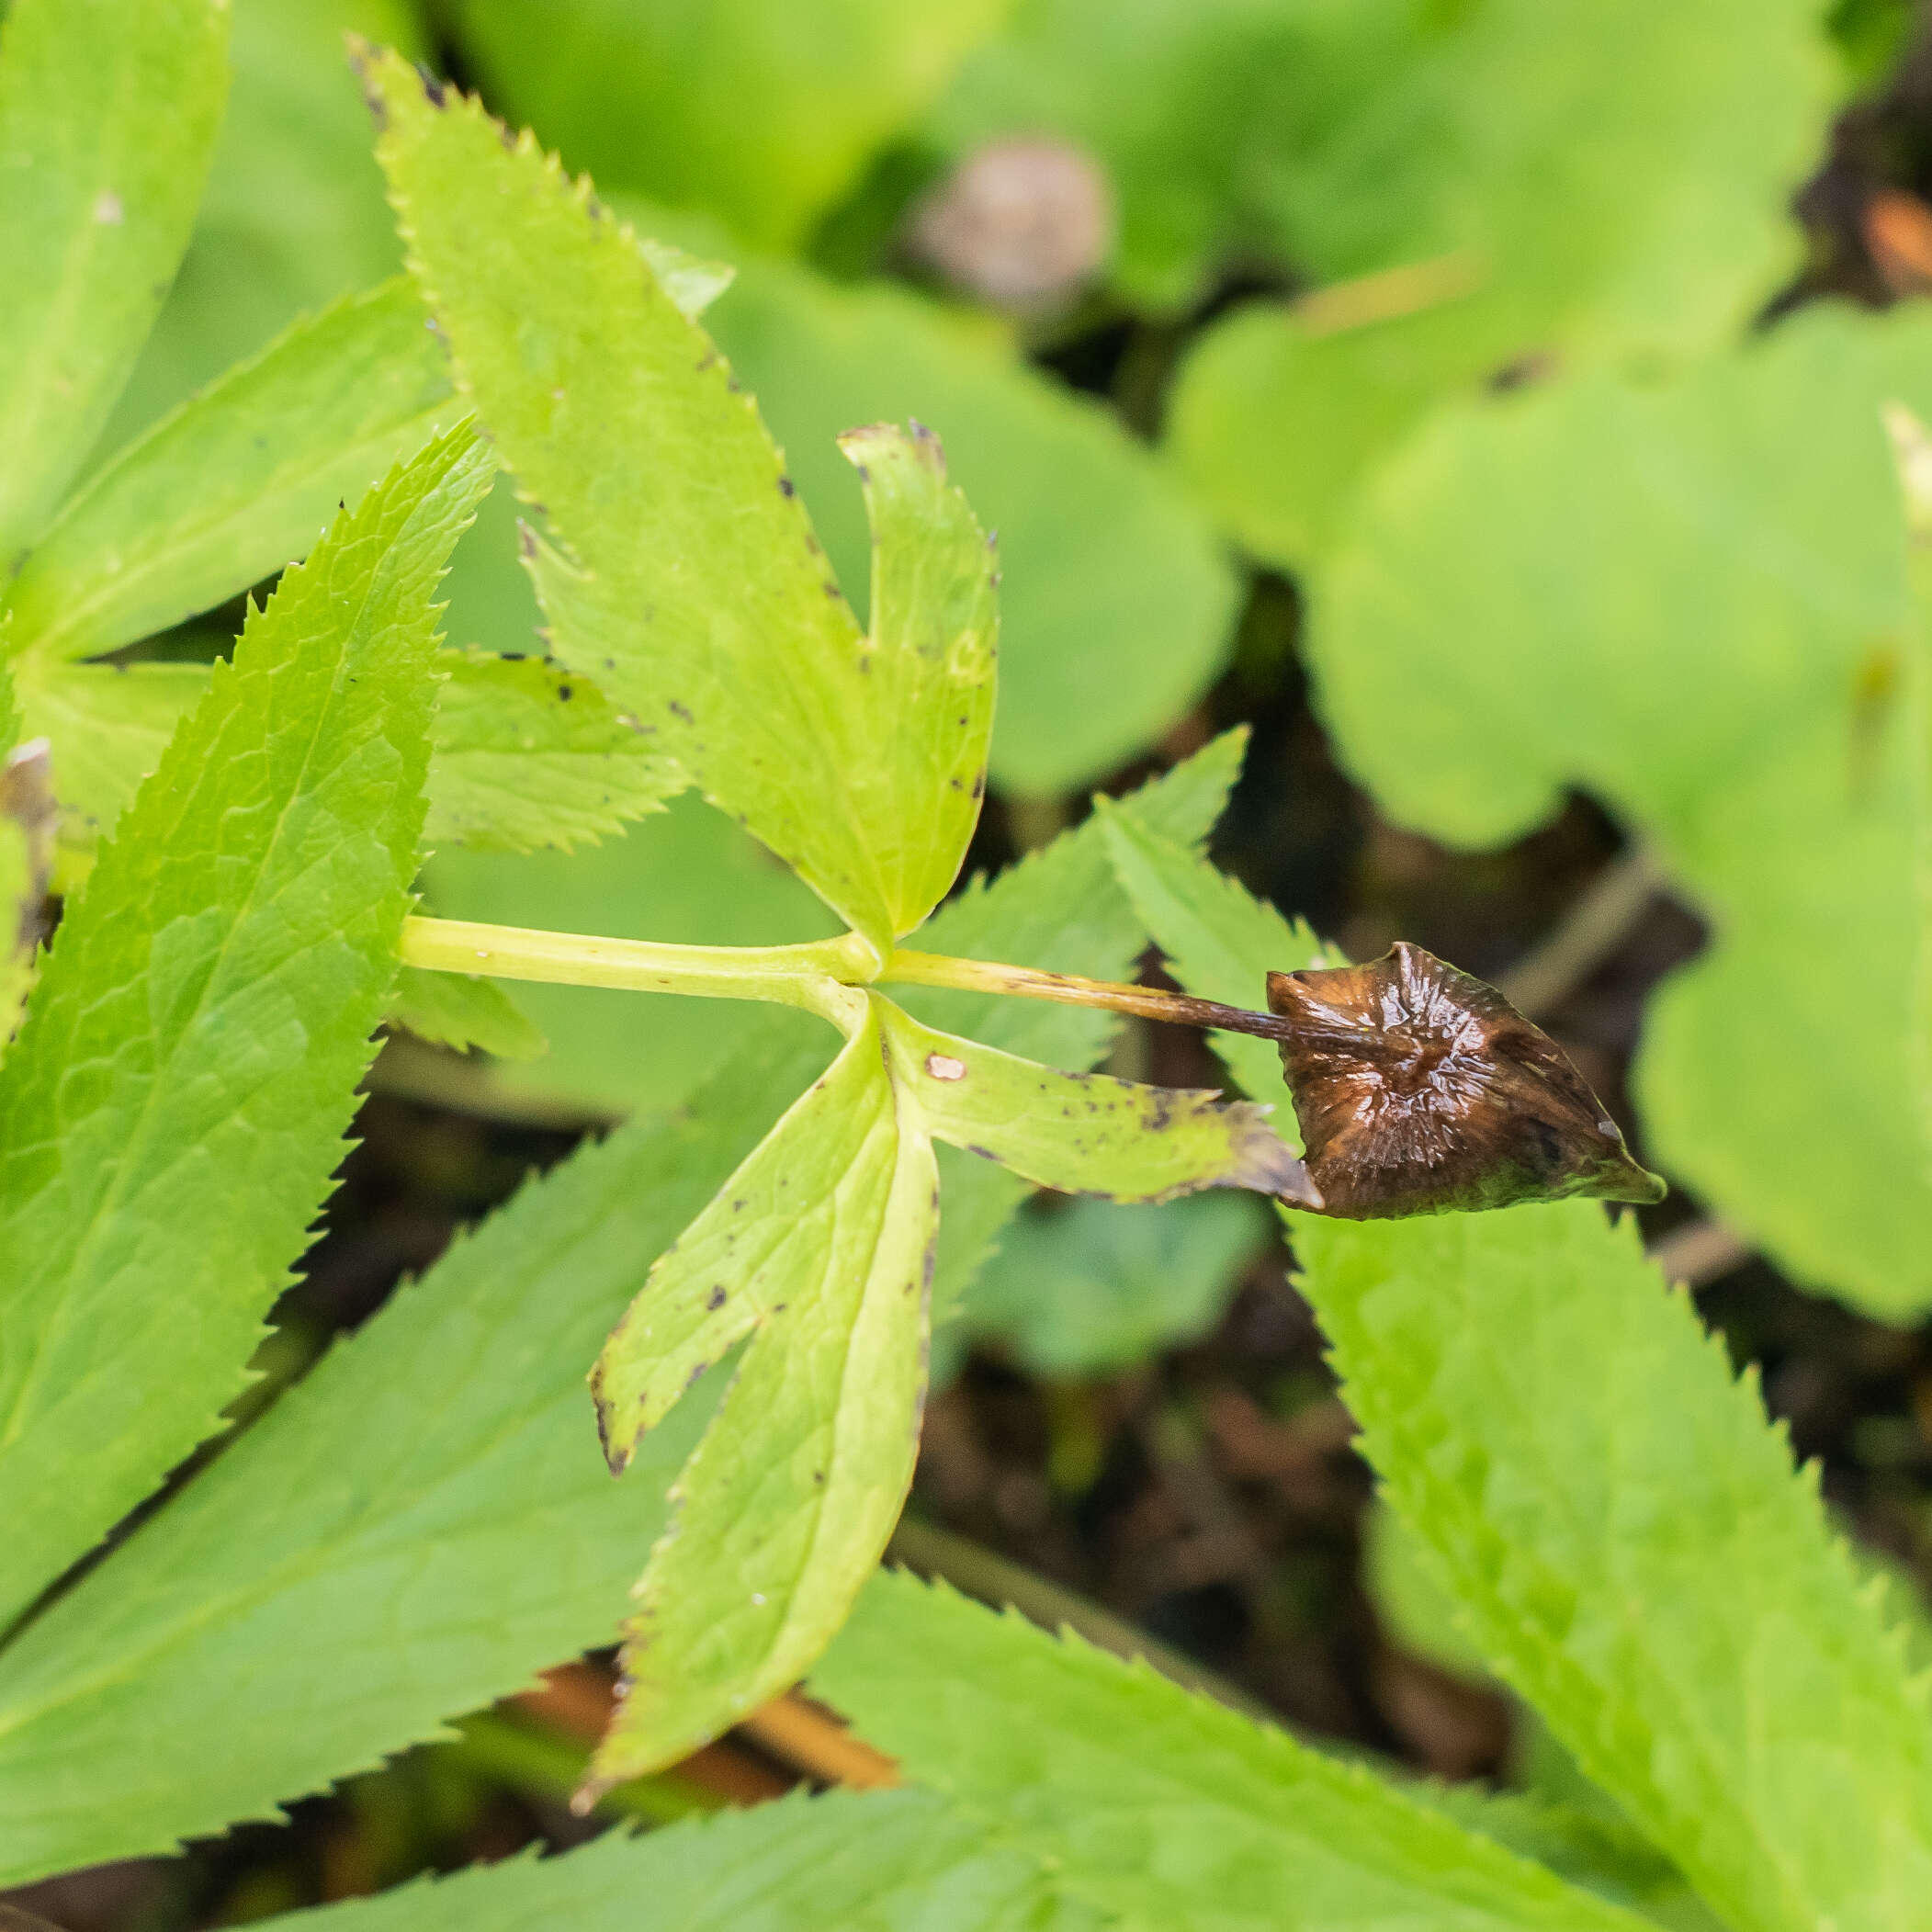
(294, 217)
(819, 1249)
(1095, 1288)
(1633, 1554)
(175, 1105)
(108, 725)
(1116, 604)
(1082, 1132)
(980, 1197)
(1870, 35)
(763, 117)
(1410, 1603)
(1155, 1803)
(460, 1011)
(414, 1531)
(1212, 932)
(107, 121)
(528, 754)
(680, 570)
(1688, 598)
(925, 712)
(514, 764)
(1913, 451)
(693, 282)
(1588, 1848)
(886, 1862)
(1459, 157)
(1563, 1821)
(492, 600)
(237, 479)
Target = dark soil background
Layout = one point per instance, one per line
(1209, 1496)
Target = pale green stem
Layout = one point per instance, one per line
(818, 976)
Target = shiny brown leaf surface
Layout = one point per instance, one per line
(1422, 1090)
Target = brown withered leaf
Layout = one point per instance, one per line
(1422, 1090)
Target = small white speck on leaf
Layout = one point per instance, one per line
(108, 209)
(944, 1067)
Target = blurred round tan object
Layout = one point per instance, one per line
(1898, 234)
(1022, 222)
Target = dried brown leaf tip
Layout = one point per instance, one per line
(1422, 1090)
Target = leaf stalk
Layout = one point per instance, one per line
(818, 976)
(1144, 1003)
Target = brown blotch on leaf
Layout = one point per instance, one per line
(1422, 1090)
(1258, 1158)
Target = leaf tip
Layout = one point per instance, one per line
(1265, 1164)
(617, 1445)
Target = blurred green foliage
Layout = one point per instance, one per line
(763, 115)
(1710, 635)
(1094, 1287)
(294, 214)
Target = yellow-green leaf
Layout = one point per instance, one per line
(818, 1248)
(461, 1011)
(677, 565)
(1084, 1133)
(529, 754)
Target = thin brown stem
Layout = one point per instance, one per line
(1144, 1003)
(813, 1741)
(1593, 929)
